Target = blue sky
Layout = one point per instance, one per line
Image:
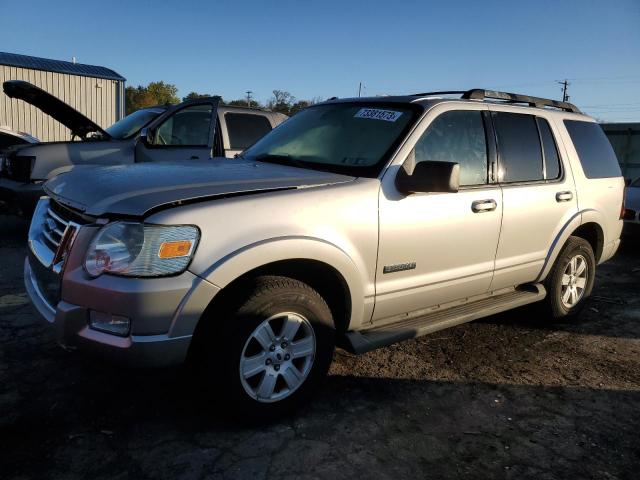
(325, 48)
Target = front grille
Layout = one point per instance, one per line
(46, 281)
(53, 229)
(51, 236)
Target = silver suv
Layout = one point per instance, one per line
(358, 222)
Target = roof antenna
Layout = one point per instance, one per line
(73, 59)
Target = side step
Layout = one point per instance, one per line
(380, 336)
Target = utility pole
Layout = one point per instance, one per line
(359, 89)
(249, 92)
(565, 84)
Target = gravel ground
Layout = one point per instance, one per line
(511, 396)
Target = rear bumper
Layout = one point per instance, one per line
(609, 250)
(18, 198)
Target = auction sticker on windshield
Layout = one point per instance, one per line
(378, 114)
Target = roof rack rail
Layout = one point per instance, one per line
(451, 92)
(480, 94)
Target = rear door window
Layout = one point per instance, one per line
(519, 148)
(550, 150)
(246, 129)
(594, 149)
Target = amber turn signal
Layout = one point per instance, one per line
(180, 248)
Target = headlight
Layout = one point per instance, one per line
(139, 250)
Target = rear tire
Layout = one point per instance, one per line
(272, 351)
(571, 279)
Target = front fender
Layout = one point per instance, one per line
(264, 252)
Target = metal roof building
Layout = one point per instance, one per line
(97, 92)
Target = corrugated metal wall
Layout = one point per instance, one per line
(99, 99)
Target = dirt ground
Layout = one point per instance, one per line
(511, 396)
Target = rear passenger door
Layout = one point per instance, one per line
(538, 193)
(241, 130)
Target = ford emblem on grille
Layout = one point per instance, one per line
(51, 223)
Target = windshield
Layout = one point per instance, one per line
(351, 138)
(132, 123)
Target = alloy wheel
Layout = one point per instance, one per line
(574, 281)
(277, 357)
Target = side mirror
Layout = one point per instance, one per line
(430, 177)
(146, 136)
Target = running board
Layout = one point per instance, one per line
(363, 341)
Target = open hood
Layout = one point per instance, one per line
(54, 107)
(136, 190)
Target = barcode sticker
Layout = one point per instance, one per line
(377, 114)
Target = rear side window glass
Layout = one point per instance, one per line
(594, 150)
(518, 147)
(550, 149)
(246, 129)
(457, 136)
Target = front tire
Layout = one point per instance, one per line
(277, 346)
(571, 279)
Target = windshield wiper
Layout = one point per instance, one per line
(280, 159)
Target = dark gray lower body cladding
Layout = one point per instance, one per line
(379, 336)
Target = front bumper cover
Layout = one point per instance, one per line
(71, 324)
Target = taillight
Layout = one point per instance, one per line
(628, 214)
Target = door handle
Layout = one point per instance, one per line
(194, 157)
(480, 206)
(564, 196)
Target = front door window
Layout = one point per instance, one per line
(188, 127)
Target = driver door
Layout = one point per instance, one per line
(436, 248)
(184, 133)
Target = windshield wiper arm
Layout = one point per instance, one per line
(279, 159)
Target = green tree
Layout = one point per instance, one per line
(194, 95)
(156, 93)
(243, 103)
(281, 101)
(299, 105)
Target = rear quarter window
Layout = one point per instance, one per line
(594, 149)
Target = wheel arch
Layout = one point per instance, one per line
(322, 265)
(585, 225)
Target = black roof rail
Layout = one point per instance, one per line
(480, 94)
(451, 92)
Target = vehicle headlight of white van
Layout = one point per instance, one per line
(133, 249)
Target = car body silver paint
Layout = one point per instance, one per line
(360, 225)
(120, 190)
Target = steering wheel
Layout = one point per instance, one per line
(174, 140)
